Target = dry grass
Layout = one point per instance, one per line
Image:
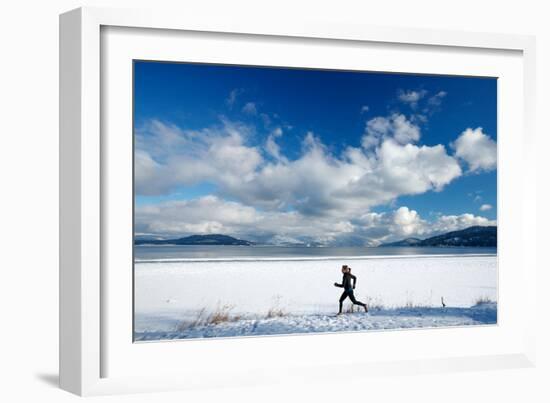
(200, 318)
(410, 304)
(349, 309)
(374, 304)
(275, 313)
(221, 314)
(415, 305)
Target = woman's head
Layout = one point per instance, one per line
(345, 269)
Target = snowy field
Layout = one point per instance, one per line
(193, 299)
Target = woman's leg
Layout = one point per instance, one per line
(352, 297)
(342, 298)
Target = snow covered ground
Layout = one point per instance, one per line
(376, 319)
(190, 299)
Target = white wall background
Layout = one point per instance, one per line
(29, 187)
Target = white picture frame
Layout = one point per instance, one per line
(85, 344)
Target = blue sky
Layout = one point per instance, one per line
(299, 155)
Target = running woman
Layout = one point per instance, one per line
(348, 284)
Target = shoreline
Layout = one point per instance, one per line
(309, 258)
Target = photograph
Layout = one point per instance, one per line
(291, 200)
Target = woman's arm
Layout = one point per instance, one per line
(354, 280)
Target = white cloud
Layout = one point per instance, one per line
(265, 119)
(146, 171)
(411, 97)
(404, 131)
(407, 222)
(232, 97)
(414, 170)
(210, 214)
(422, 103)
(250, 108)
(375, 228)
(437, 99)
(319, 183)
(272, 147)
(395, 126)
(404, 222)
(365, 109)
(376, 129)
(485, 207)
(446, 223)
(316, 183)
(199, 216)
(167, 157)
(477, 149)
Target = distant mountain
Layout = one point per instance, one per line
(404, 242)
(473, 236)
(211, 239)
(476, 236)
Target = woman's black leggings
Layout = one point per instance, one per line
(349, 293)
